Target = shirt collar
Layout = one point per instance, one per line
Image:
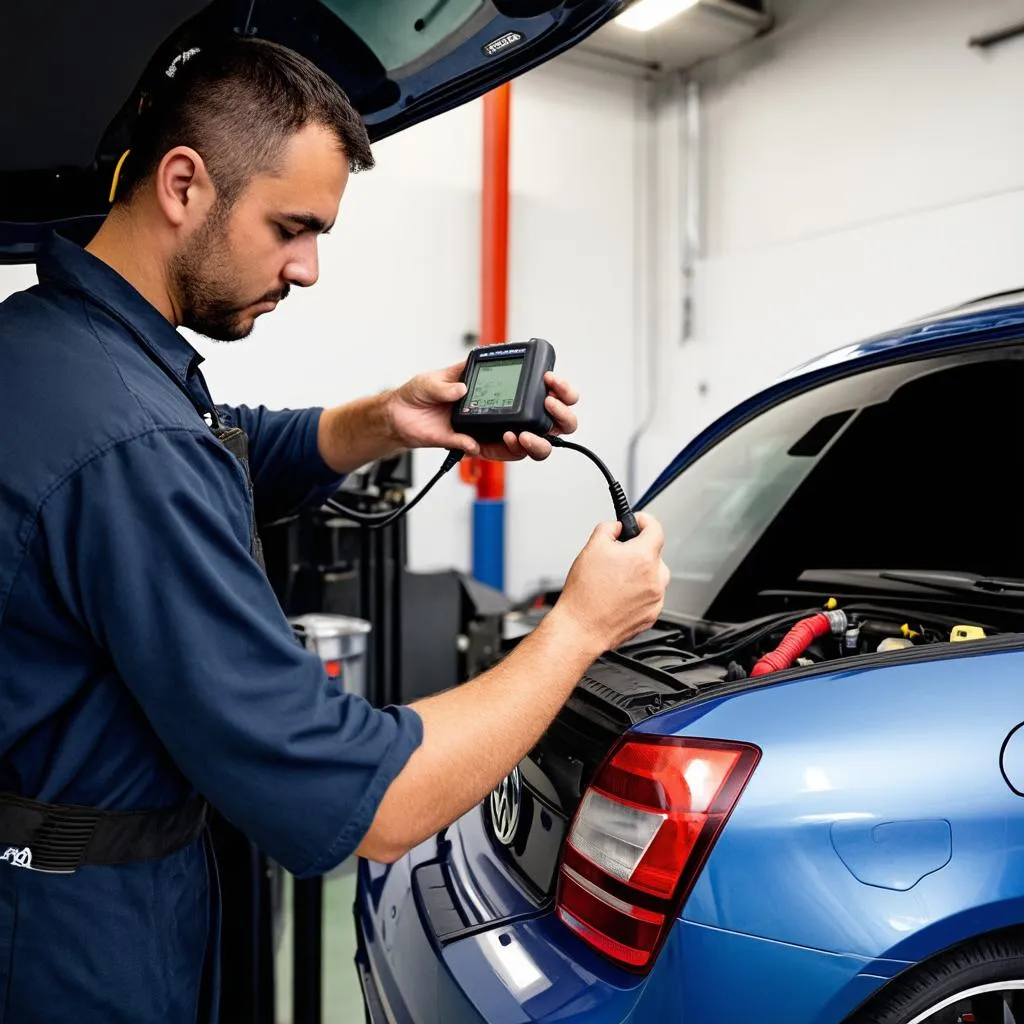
(73, 267)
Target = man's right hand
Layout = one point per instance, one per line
(616, 589)
(474, 734)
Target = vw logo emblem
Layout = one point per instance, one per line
(506, 800)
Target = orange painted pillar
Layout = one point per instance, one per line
(494, 245)
(489, 508)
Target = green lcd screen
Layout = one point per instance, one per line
(496, 384)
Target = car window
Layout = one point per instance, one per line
(400, 33)
(902, 466)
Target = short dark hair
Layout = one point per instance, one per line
(236, 102)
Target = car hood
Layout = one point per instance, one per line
(72, 75)
(950, 329)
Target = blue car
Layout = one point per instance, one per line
(797, 799)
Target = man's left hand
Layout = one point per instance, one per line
(420, 410)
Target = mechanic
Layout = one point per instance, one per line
(146, 665)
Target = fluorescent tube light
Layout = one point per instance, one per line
(644, 15)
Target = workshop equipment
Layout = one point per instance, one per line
(341, 642)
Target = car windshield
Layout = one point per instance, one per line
(400, 33)
(912, 466)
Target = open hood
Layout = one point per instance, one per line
(73, 73)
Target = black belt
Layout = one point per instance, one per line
(49, 837)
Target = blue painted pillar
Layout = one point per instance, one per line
(489, 541)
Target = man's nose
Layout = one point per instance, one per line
(303, 269)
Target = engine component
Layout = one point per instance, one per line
(961, 633)
(851, 642)
(791, 640)
(799, 638)
(894, 643)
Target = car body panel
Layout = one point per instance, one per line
(493, 895)
(728, 977)
(533, 970)
(837, 841)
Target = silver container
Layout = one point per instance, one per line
(341, 643)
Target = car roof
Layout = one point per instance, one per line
(975, 317)
(979, 320)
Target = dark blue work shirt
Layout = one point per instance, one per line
(143, 654)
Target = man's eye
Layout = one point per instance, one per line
(286, 234)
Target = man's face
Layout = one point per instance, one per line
(239, 264)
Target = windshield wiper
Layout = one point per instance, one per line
(956, 581)
(999, 584)
(950, 582)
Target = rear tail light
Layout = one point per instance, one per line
(640, 837)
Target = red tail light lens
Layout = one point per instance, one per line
(640, 837)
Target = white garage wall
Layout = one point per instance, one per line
(399, 288)
(863, 166)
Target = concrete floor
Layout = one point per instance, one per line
(342, 997)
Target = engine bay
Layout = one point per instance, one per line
(798, 639)
(671, 664)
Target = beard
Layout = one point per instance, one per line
(207, 285)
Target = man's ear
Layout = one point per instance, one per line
(184, 190)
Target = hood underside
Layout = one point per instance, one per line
(73, 76)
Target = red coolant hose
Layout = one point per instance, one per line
(798, 639)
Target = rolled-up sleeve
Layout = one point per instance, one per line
(288, 471)
(167, 586)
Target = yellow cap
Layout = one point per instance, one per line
(961, 633)
(908, 632)
(831, 604)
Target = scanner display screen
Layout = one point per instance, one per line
(496, 384)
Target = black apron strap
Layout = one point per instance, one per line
(237, 442)
(56, 838)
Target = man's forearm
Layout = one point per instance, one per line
(351, 435)
(475, 733)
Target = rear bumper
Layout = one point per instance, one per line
(373, 1005)
(401, 967)
(515, 973)
(533, 971)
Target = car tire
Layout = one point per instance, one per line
(991, 968)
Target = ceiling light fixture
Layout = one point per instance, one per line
(644, 15)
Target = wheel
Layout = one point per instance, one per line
(981, 982)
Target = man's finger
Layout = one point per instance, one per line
(513, 445)
(498, 451)
(564, 417)
(561, 389)
(650, 530)
(464, 443)
(534, 446)
(435, 389)
(453, 372)
(606, 532)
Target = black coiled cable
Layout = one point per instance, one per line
(623, 512)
